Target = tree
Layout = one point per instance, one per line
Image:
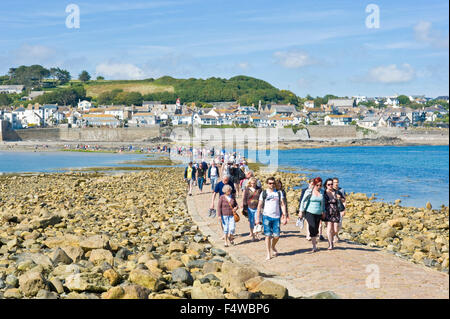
(63, 76)
(84, 76)
(5, 100)
(403, 100)
(100, 78)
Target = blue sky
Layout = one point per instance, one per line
(310, 47)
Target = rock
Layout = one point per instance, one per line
(418, 256)
(209, 278)
(95, 242)
(62, 241)
(60, 256)
(42, 260)
(94, 282)
(162, 296)
(56, 285)
(428, 206)
(410, 244)
(212, 266)
(326, 295)
(205, 291)
(13, 293)
(177, 246)
(252, 283)
(75, 253)
(99, 256)
(135, 292)
(2, 284)
(199, 263)
(398, 223)
(30, 283)
(113, 293)
(387, 231)
(123, 253)
(271, 288)
(113, 277)
(76, 295)
(234, 276)
(171, 264)
(126, 292)
(218, 252)
(46, 221)
(44, 294)
(182, 275)
(147, 279)
(12, 281)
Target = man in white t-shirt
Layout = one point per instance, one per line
(273, 213)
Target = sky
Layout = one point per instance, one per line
(345, 47)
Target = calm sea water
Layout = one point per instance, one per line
(414, 174)
(20, 162)
(393, 172)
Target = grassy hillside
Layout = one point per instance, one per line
(95, 88)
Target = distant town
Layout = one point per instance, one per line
(336, 112)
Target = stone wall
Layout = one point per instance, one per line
(89, 134)
(7, 133)
(332, 132)
(236, 135)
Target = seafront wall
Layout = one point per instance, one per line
(7, 133)
(229, 135)
(89, 134)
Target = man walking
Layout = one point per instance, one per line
(273, 210)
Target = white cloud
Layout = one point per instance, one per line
(293, 59)
(425, 34)
(34, 54)
(120, 71)
(244, 65)
(392, 74)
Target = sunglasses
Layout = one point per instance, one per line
(319, 185)
(329, 184)
(270, 183)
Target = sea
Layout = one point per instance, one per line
(414, 174)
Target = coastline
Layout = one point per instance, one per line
(136, 227)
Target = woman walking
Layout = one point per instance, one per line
(250, 204)
(226, 207)
(201, 177)
(314, 208)
(332, 215)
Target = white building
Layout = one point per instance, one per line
(84, 105)
(11, 89)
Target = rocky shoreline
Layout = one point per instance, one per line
(130, 236)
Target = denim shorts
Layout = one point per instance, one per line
(228, 224)
(251, 217)
(271, 226)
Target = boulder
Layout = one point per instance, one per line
(99, 256)
(95, 242)
(112, 276)
(271, 288)
(234, 276)
(87, 281)
(182, 275)
(205, 291)
(31, 282)
(147, 279)
(326, 295)
(60, 256)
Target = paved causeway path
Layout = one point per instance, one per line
(345, 270)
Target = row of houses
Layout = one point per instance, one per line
(335, 113)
